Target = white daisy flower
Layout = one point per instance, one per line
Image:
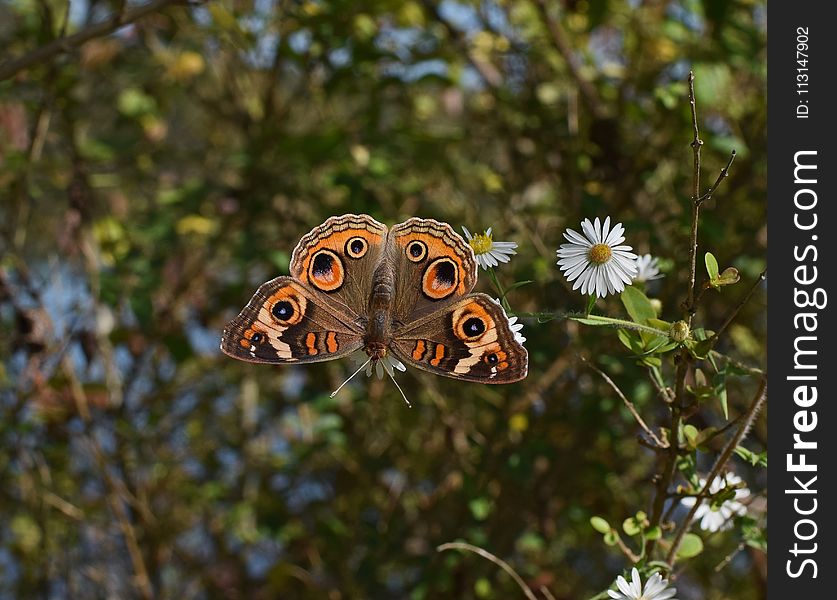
(513, 324)
(648, 268)
(488, 252)
(596, 261)
(656, 588)
(719, 519)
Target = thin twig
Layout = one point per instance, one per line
(116, 494)
(762, 276)
(65, 44)
(547, 594)
(488, 556)
(630, 554)
(723, 459)
(662, 390)
(728, 559)
(721, 176)
(628, 404)
(696, 146)
(490, 74)
(670, 466)
(559, 39)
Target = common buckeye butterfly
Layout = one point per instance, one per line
(357, 285)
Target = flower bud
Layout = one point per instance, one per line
(679, 331)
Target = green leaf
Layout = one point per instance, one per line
(611, 537)
(755, 459)
(711, 266)
(595, 322)
(591, 302)
(659, 324)
(653, 533)
(704, 435)
(753, 534)
(728, 277)
(638, 305)
(690, 432)
(719, 383)
(699, 350)
(600, 525)
(480, 508)
(631, 340)
(652, 361)
(630, 526)
(691, 546)
(133, 102)
(482, 588)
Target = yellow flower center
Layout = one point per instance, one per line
(481, 243)
(599, 254)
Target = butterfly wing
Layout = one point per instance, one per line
(338, 259)
(434, 266)
(471, 339)
(286, 322)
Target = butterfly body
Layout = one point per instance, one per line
(357, 285)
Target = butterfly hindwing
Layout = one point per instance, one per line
(285, 322)
(470, 339)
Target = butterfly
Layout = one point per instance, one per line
(356, 284)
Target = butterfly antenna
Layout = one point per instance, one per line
(363, 366)
(391, 376)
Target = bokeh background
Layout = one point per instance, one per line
(152, 178)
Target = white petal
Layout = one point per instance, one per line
(615, 234)
(654, 585)
(590, 231)
(573, 236)
(572, 250)
(623, 586)
(569, 263)
(636, 583)
(468, 235)
(601, 282)
(573, 272)
(581, 282)
(606, 229)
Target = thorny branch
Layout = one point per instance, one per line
(723, 459)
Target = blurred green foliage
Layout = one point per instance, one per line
(151, 179)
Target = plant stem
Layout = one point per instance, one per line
(497, 561)
(723, 459)
(628, 404)
(610, 321)
(502, 294)
(739, 306)
(696, 146)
